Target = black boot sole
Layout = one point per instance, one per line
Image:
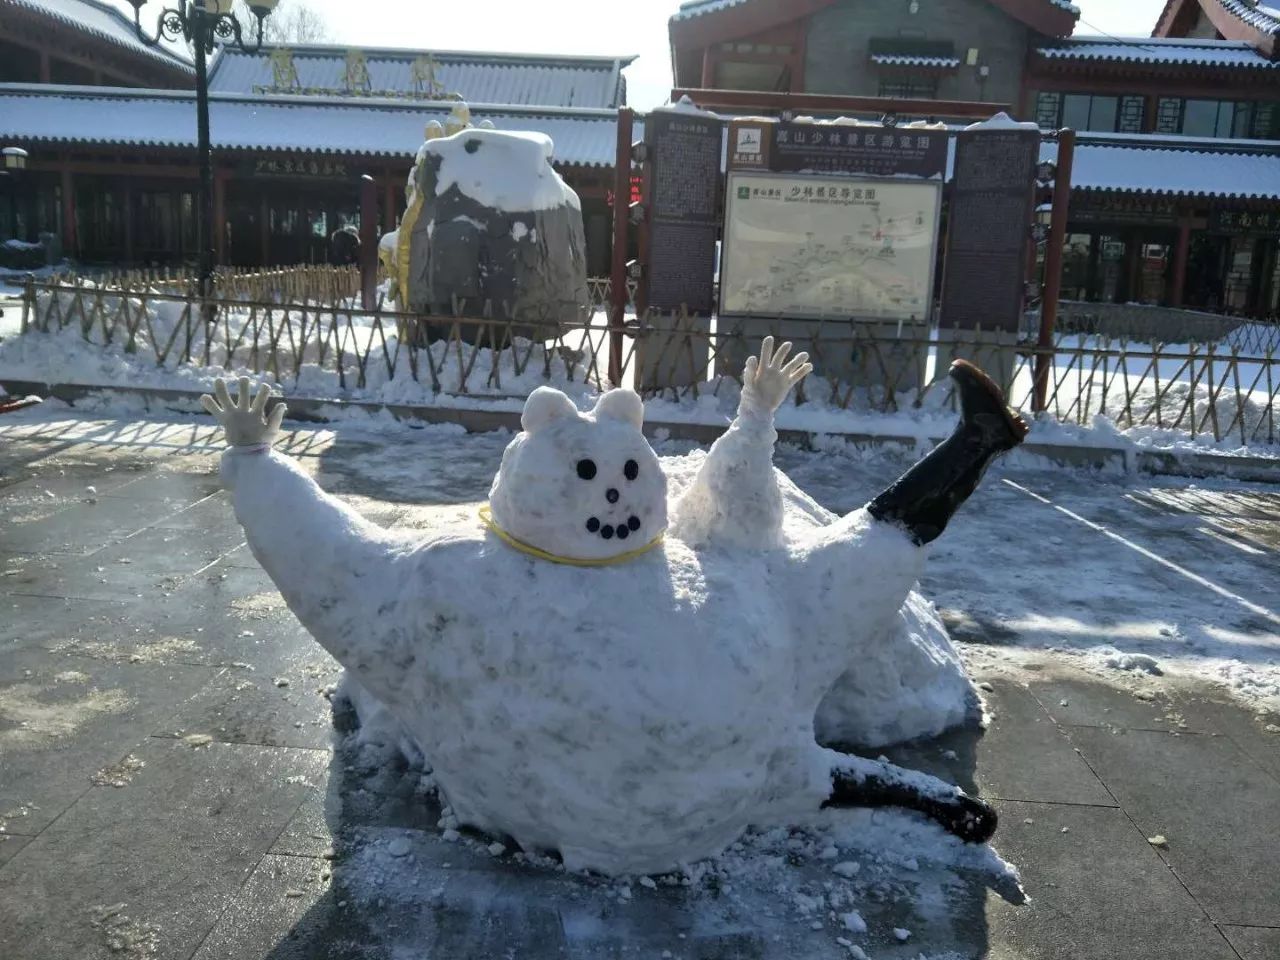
(980, 395)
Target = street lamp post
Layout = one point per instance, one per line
(204, 24)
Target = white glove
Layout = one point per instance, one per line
(245, 421)
(766, 381)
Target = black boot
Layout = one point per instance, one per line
(928, 494)
(878, 783)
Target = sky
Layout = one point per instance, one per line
(598, 27)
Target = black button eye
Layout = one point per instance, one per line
(631, 470)
(587, 469)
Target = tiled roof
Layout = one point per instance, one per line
(519, 79)
(106, 23)
(40, 113)
(895, 60)
(1174, 166)
(1158, 50)
(696, 8)
(1262, 17)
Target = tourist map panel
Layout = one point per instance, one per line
(806, 246)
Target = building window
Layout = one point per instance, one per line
(1133, 111)
(1087, 112)
(1208, 118)
(909, 88)
(1257, 120)
(1049, 110)
(1266, 121)
(1084, 111)
(1169, 115)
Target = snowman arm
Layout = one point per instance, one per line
(735, 496)
(341, 574)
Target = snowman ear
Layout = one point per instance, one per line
(544, 407)
(624, 405)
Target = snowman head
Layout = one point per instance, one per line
(581, 486)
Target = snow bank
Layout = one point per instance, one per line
(511, 171)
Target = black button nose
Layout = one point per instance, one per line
(611, 495)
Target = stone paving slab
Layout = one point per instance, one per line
(64, 719)
(1074, 702)
(10, 844)
(167, 851)
(1254, 943)
(1048, 768)
(1219, 811)
(1096, 891)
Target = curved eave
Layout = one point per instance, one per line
(158, 56)
(1124, 67)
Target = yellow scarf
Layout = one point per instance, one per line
(486, 517)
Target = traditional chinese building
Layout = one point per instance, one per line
(112, 168)
(1176, 182)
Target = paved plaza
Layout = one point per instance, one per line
(170, 785)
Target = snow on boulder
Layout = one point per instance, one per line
(496, 227)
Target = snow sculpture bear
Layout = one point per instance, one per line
(629, 701)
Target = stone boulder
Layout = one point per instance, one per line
(494, 230)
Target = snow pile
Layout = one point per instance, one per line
(504, 170)
(145, 349)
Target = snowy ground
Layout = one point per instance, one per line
(1149, 590)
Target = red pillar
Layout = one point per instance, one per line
(1053, 265)
(70, 242)
(129, 211)
(219, 218)
(264, 228)
(1180, 253)
(621, 235)
(368, 242)
(390, 204)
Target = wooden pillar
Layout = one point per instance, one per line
(1150, 110)
(708, 69)
(1178, 282)
(621, 237)
(264, 225)
(219, 217)
(128, 214)
(70, 244)
(368, 242)
(46, 69)
(390, 213)
(1053, 266)
(1132, 267)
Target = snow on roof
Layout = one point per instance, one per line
(897, 60)
(696, 8)
(41, 113)
(106, 23)
(1159, 50)
(514, 78)
(1262, 17)
(1121, 166)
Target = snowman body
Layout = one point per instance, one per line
(631, 715)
